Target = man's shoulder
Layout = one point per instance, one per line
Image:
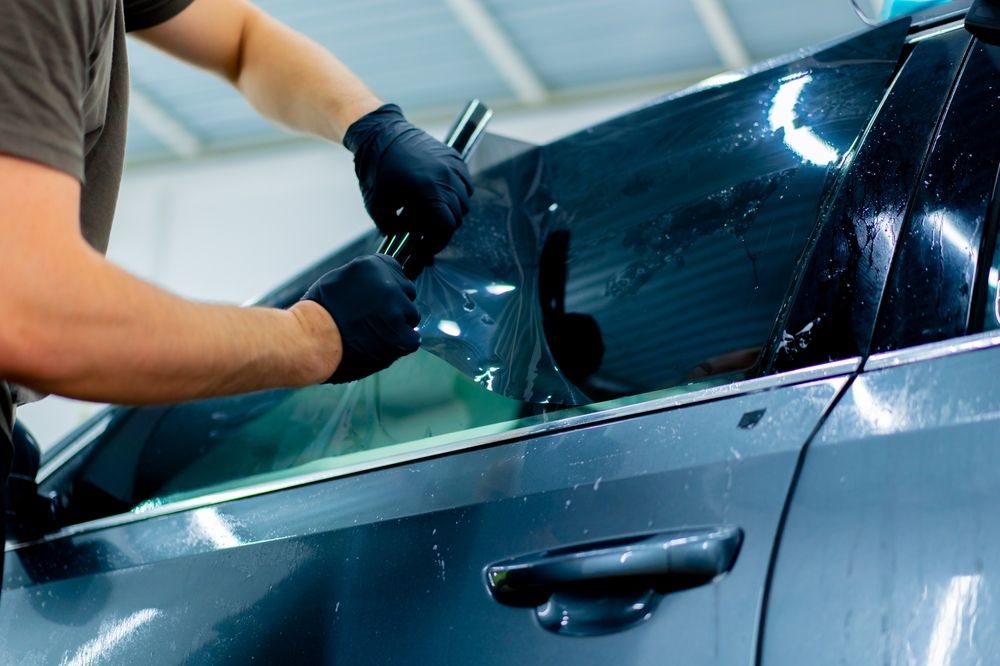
(84, 17)
(142, 14)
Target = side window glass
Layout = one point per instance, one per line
(662, 244)
(650, 254)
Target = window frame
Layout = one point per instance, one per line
(843, 297)
(987, 293)
(575, 422)
(967, 322)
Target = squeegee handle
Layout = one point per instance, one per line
(463, 136)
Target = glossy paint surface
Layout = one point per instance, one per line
(835, 310)
(388, 566)
(929, 296)
(990, 283)
(891, 542)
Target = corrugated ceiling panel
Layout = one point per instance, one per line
(585, 42)
(418, 54)
(772, 28)
(141, 143)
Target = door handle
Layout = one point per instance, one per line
(607, 586)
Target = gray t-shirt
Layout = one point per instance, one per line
(64, 97)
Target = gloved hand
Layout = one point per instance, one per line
(371, 302)
(411, 182)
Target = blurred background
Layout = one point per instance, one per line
(220, 206)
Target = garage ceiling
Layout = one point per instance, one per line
(432, 55)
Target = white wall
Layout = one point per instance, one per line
(230, 228)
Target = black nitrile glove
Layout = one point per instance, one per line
(371, 302)
(411, 182)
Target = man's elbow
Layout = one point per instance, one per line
(253, 28)
(32, 351)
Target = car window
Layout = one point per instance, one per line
(646, 256)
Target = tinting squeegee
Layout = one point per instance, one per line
(463, 137)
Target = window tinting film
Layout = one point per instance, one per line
(655, 248)
(480, 298)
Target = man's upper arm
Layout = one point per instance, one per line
(208, 33)
(39, 204)
(40, 228)
(44, 50)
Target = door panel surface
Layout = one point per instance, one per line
(890, 553)
(388, 566)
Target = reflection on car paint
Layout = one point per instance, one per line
(833, 316)
(800, 138)
(931, 292)
(112, 634)
(890, 540)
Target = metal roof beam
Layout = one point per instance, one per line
(496, 45)
(167, 129)
(723, 33)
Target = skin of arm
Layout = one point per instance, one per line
(287, 77)
(78, 326)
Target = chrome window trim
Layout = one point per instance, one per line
(937, 30)
(801, 376)
(932, 350)
(85, 439)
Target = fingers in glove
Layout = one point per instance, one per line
(407, 286)
(439, 222)
(389, 217)
(456, 202)
(411, 315)
(410, 342)
(461, 170)
(409, 289)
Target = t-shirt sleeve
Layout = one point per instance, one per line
(142, 14)
(43, 54)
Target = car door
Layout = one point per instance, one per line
(417, 518)
(889, 541)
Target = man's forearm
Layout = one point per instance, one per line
(108, 336)
(294, 81)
